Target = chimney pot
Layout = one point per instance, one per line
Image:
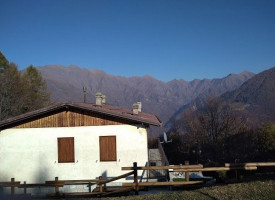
(98, 98)
(137, 108)
(103, 100)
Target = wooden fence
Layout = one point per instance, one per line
(60, 183)
(187, 169)
(135, 185)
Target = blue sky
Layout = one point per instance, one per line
(185, 39)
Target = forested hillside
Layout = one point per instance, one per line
(257, 95)
(238, 126)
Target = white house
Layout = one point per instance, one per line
(73, 141)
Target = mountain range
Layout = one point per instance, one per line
(256, 95)
(157, 97)
(255, 98)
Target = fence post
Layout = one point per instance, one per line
(100, 184)
(56, 187)
(237, 172)
(12, 186)
(186, 173)
(135, 178)
(25, 188)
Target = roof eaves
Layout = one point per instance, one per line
(77, 106)
(32, 114)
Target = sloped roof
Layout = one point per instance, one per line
(107, 110)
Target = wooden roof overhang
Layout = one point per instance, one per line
(110, 111)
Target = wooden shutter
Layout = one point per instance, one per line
(107, 148)
(66, 150)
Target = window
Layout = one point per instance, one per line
(107, 145)
(65, 150)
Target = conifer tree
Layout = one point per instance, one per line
(3, 62)
(35, 87)
(20, 92)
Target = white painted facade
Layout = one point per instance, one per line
(31, 154)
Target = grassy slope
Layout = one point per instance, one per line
(248, 190)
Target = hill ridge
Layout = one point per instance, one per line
(157, 97)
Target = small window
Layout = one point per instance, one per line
(65, 150)
(153, 164)
(107, 145)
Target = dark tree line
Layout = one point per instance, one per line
(219, 133)
(20, 92)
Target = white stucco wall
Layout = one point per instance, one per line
(30, 154)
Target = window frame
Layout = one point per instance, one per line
(63, 147)
(107, 147)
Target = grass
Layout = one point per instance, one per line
(259, 189)
(250, 190)
(252, 187)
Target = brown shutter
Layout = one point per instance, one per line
(65, 150)
(107, 148)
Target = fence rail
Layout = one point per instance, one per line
(135, 185)
(165, 167)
